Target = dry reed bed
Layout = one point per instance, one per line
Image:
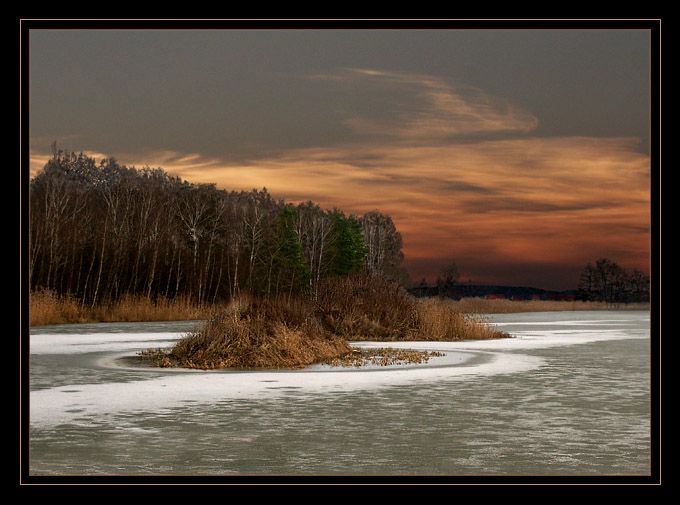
(496, 306)
(258, 333)
(45, 307)
(296, 332)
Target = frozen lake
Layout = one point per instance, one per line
(568, 396)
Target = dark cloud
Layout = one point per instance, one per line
(520, 153)
(512, 204)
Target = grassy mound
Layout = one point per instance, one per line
(296, 332)
(255, 333)
(364, 307)
(370, 308)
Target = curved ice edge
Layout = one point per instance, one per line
(87, 403)
(450, 357)
(164, 390)
(57, 343)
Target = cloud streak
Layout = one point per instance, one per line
(463, 180)
(559, 200)
(432, 109)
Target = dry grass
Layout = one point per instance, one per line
(45, 307)
(441, 319)
(259, 333)
(366, 308)
(353, 307)
(382, 357)
(491, 306)
(362, 307)
(296, 332)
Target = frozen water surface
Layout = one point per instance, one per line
(568, 395)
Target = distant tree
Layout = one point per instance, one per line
(448, 280)
(600, 282)
(639, 285)
(586, 283)
(606, 281)
(383, 243)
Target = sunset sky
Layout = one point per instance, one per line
(521, 155)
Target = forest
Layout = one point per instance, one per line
(99, 230)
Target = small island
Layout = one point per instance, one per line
(279, 284)
(294, 332)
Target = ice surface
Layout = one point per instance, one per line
(59, 343)
(169, 388)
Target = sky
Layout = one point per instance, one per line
(519, 154)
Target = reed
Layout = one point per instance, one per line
(291, 332)
(496, 306)
(258, 333)
(141, 308)
(369, 308)
(364, 307)
(46, 307)
(442, 319)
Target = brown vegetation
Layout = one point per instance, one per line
(294, 332)
(364, 307)
(382, 357)
(491, 306)
(369, 308)
(442, 319)
(255, 333)
(46, 307)
(291, 332)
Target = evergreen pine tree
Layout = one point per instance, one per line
(289, 256)
(348, 251)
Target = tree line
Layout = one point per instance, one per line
(98, 231)
(606, 281)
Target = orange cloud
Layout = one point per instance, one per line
(501, 205)
(557, 200)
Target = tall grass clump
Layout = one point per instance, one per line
(259, 333)
(292, 332)
(365, 307)
(479, 305)
(132, 308)
(47, 307)
(442, 320)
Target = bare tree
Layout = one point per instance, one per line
(606, 281)
(448, 280)
(384, 245)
